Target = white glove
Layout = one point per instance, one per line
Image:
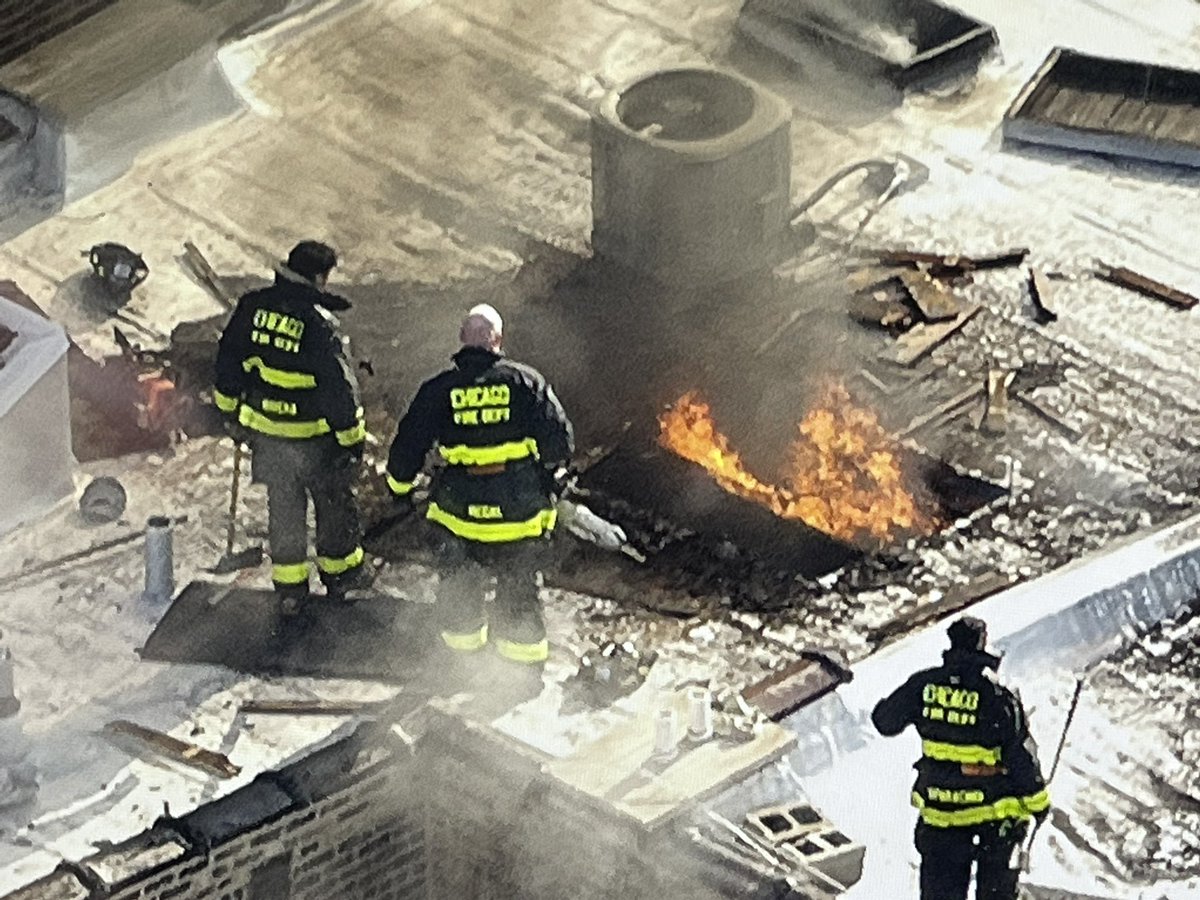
(587, 526)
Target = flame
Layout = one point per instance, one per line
(843, 476)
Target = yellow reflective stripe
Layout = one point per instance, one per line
(279, 377)
(1004, 808)
(255, 420)
(339, 565)
(961, 753)
(225, 403)
(290, 573)
(399, 488)
(465, 643)
(1035, 803)
(462, 455)
(493, 532)
(524, 653)
(351, 436)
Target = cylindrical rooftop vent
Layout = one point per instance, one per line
(691, 175)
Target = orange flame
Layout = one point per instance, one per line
(843, 478)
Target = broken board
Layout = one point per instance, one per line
(241, 629)
(795, 685)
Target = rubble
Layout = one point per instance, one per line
(919, 340)
(938, 265)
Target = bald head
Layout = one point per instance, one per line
(482, 327)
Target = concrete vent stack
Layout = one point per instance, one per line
(691, 176)
(18, 776)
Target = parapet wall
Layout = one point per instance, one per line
(335, 824)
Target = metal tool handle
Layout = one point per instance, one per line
(1023, 859)
(233, 497)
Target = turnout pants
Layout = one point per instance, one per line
(516, 628)
(293, 471)
(948, 853)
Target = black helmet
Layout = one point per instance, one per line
(312, 259)
(967, 633)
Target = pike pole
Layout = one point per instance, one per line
(1062, 740)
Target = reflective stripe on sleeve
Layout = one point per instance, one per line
(224, 402)
(462, 455)
(351, 436)
(493, 532)
(399, 488)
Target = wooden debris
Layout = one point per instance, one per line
(799, 683)
(950, 263)
(936, 302)
(1042, 412)
(954, 405)
(873, 277)
(921, 339)
(310, 707)
(874, 381)
(1145, 285)
(206, 274)
(174, 749)
(1041, 292)
(995, 414)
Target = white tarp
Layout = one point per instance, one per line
(36, 462)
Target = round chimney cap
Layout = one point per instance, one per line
(103, 500)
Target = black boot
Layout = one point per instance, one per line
(292, 600)
(352, 586)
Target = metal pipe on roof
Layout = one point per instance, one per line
(9, 704)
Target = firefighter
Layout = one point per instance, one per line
(978, 780)
(285, 385)
(502, 435)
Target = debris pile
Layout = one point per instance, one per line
(1148, 689)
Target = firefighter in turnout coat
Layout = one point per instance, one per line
(285, 385)
(978, 780)
(501, 434)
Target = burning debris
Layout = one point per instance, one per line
(843, 476)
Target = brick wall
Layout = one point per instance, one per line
(498, 828)
(463, 815)
(335, 824)
(26, 23)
